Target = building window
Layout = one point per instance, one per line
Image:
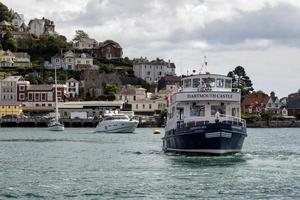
(37, 105)
(37, 97)
(137, 106)
(43, 96)
(88, 62)
(30, 97)
(143, 106)
(49, 105)
(43, 105)
(22, 88)
(148, 73)
(150, 106)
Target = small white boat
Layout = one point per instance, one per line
(56, 125)
(117, 123)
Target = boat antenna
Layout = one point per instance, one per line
(204, 66)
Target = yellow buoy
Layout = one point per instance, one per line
(157, 131)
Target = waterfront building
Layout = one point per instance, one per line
(8, 88)
(10, 108)
(273, 105)
(255, 103)
(72, 88)
(91, 108)
(130, 93)
(293, 104)
(154, 70)
(40, 97)
(148, 107)
(41, 26)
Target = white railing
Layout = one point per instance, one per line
(213, 119)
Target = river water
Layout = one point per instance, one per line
(80, 164)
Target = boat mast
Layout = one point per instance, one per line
(56, 101)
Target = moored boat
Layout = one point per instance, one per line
(117, 123)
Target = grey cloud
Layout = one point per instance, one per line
(279, 24)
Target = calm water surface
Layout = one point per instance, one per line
(80, 164)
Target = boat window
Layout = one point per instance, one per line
(196, 82)
(220, 108)
(227, 83)
(220, 82)
(235, 112)
(187, 83)
(197, 111)
(209, 82)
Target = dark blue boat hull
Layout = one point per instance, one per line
(214, 138)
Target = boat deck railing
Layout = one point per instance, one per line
(226, 119)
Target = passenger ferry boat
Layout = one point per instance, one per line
(204, 117)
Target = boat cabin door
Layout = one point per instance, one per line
(179, 113)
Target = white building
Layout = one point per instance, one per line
(144, 107)
(130, 93)
(41, 26)
(274, 104)
(153, 71)
(8, 88)
(18, 20)
(73, 88)
(70, 61)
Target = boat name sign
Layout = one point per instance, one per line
(208, 96)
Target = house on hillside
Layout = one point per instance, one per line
(108, 49)
(255, 103)
(17, 59)
(85, 43)
(153, 71)
(18, 22)
(70, 61)
(8, 88)
(169, 83)
(41, 26)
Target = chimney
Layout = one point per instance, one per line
(272, 94)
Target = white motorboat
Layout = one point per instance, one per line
(117, 123)
(56, 125)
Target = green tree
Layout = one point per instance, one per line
(241, 80)
(5, 13)
(9, 42)
(110, 89)
(79, 34)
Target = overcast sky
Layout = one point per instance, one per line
(263, 36)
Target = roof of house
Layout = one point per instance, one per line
(21, 55)
(293, 103)
(110, 42)
(72, 80)
(5, 23)
(13, 78)
(256, 98)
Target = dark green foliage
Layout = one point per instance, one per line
(250, 118)
(5, 13)
(43, 48)
(9, 43)
(110, 89)
(241, 80)
(161, 118)
(266, 116)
